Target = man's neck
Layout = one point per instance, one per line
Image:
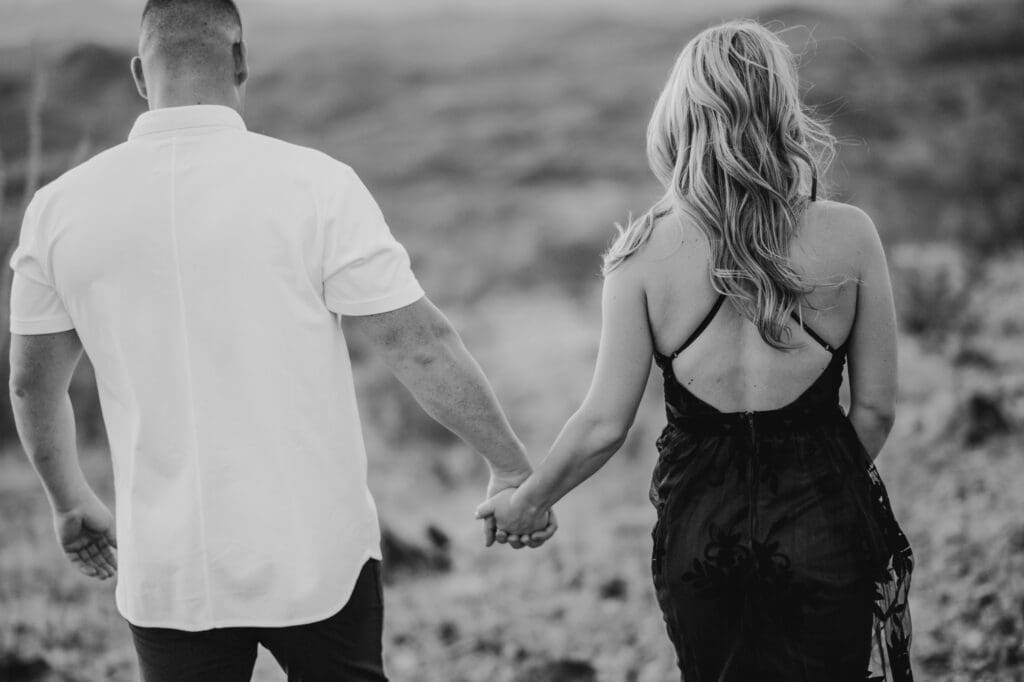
(191, 96)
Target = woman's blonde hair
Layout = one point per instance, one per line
(736, 149)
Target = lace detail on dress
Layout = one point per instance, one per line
(890, 651)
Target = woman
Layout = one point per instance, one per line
(776, 554)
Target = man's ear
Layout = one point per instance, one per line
(139, 77)
(239, 52)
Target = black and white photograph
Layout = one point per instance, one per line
(512, 340)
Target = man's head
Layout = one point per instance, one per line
(191, 52)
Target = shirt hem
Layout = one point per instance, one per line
(50, 325)
(406, 296)
(255, 622)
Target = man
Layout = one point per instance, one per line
(203, 269)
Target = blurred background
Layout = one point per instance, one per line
(503, 141)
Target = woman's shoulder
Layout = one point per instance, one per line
(837, 218)
(673, 255)
(674, 234)
(838, 228)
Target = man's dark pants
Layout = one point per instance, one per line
(345, 647)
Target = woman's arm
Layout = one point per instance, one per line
(872, 352)
(599, 427)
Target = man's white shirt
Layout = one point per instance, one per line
(204, 268)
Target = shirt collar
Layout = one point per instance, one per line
(180, 118)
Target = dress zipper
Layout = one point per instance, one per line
(753, 476)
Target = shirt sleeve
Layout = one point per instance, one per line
(36, 307)
(365, 270)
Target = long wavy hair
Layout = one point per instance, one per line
(736, 149)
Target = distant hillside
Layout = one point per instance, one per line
(114, 21)
(90, 100)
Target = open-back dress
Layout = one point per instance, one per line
(777, 557)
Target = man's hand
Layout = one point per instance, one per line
(86, 533)
(515, 523)
(500, 481)
(41, 370)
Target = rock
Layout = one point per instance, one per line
(987, 598)
(438, 537)
(1006, 625)
(936, 662)
(564, 670)
(448, 632)
(615, 588)
(984, 419)
(16, 668)
(975, 358)
(1015, 540)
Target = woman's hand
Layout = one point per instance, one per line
(517, 523)
(501, 481)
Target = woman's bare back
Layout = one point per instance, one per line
(729, 365)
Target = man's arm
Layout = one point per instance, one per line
(425, 353)
(423, 350)
(41, 370)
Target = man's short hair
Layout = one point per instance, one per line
(164, 10)
(186, 31)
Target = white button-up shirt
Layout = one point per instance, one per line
(204, 268)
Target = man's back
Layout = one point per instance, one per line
(203, 268)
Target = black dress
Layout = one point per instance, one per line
(776, 554)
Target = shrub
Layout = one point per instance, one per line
(932, 284)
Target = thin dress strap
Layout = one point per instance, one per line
(701, 327)
(800, 319)
(813, 334)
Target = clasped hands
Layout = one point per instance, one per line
(510, 519)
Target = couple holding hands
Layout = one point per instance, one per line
(203, 269)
